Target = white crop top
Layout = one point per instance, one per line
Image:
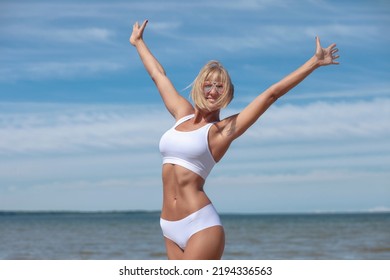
(189, 149)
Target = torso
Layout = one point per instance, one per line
(183, 192)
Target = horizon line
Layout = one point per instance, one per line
(369, 211)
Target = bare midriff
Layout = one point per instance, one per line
(182, 192)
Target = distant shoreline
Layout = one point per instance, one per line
(151, 212)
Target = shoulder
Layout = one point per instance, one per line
(184, 112)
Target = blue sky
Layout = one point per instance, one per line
(80, 120)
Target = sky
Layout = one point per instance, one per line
(80, 119)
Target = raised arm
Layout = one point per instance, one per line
(177, 105)
(238, 124)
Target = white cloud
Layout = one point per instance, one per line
(59, 68)
(361, 92)
(76, 128)
(324, 121)
(346, 33)
(52, 34)
(379, 209)
(92, 34)
(43, 70)
(163, 27)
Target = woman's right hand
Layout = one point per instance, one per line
(137, 32)
(326, 56)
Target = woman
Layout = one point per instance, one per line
(199, 139)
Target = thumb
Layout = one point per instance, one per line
(318, 43)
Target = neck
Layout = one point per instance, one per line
(206, 116)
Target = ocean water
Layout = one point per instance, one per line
(137, 236)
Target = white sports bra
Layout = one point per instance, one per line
(189, 149)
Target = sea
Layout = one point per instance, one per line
(137, 236)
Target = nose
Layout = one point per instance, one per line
(213, 89)
(214, 93)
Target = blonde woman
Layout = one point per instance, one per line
(190, 224)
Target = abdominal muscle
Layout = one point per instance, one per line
(182, 192)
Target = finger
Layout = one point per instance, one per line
(318, 43)
(144, 24)
(332, 46)
(334, 59)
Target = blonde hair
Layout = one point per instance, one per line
(212, 68)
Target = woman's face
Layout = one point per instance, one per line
(213, 88)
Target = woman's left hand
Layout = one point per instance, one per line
(138, 32)
(326, 56)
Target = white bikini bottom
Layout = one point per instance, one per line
(180, 231)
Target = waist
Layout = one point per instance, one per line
(183, 192)
(172, 213)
